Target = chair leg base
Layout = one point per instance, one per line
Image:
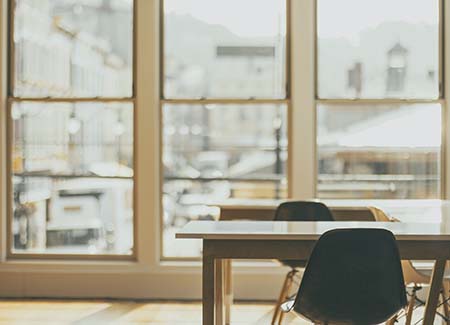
(278, 314)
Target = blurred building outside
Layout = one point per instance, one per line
(73, 163)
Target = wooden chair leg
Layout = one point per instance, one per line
(286, 295)
(392, 320)
(281, 298)
(410, 308)
(445, 295)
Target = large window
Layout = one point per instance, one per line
(71, 128)
(224, 107)
(121, 120)
(378, 107)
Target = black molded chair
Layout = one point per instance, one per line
(353, 276)
(296, 211)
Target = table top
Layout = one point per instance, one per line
(436, 211)
(282, 230)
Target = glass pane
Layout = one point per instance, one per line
(233, 48)
(378, 49)
(72, 168)
(215, 152)
(73, 48)
(379, 152)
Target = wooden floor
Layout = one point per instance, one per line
(34, 312)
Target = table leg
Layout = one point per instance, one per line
(433, 295)
(208, 290)
(219, 292)
(228, 290)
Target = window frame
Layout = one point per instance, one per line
(286, 101)
(441, 99)
(11, 99)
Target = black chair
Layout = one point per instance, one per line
(296, 211)
(353, 276)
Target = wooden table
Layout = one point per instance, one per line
(342, 210)
(417, 210)
(295, 240)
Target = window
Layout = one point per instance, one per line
(211, 50)
(378, 49)
(71, 119)
(379, 151)
(378, 99)
(73, 49)
(224, 108)
(279, 130)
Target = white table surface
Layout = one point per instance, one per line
(285, 230)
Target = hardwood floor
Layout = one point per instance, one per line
(52, 312)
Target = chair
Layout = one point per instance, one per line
(416, 274)
(353, 276)
(296, 211)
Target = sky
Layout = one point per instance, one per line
(346, 18)
(337, 18)
(246, 18)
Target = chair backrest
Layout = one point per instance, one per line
(410, 274)
(353, 276)
(379, 215)
(303, 211)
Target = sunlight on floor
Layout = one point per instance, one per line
(132, 312)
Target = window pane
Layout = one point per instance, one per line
(378, 49)
(72, 168)
(216, 152)
(73, 48)
(233, 48)
(383, 152)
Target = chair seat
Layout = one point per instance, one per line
(294, 264)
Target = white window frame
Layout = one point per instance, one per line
(147, 276)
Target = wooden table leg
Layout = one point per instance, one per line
(219, 292)
(433, 295)
(228, 290)
(208, 289)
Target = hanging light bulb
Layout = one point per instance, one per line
(16, 113)
(74, 124)
(119, 128)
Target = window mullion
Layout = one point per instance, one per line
(72, 99)
(446, 93)
(302, 120)
(385, 101)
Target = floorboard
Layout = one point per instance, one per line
(78, 312)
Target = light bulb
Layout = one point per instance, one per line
(16, 113)
(119, 129)
(73, 126)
